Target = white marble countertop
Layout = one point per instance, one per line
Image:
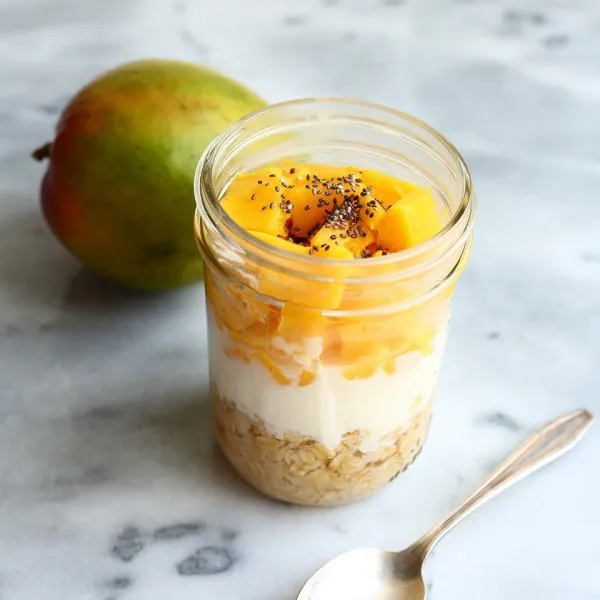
(100, 443)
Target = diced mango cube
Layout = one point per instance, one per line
(280, 242)
(325, 295)
(246, 184)
(267, 360)
(354, 341)
(306, 378)
(339, 243)
(248, 213)
(314, 294)
(387, 188)
(400, 345)
(335, 252)
(374, 357)
(309, 211)
(300, 321)
(409, 222)
(255, 336)
(288, 288)
(229, 309)
(306, 215)
(371, 215)
(390, 366)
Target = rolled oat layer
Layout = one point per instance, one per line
(301, 470)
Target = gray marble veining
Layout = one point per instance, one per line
(110, 483)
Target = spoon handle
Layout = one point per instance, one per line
(539, 449)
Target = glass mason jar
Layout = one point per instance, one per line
(323, 371)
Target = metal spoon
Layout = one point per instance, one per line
(369, 574)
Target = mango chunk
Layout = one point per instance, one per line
(268, 361)
(229, 309)
(390, 366)
(254, 336)
(309, 209)
(371, 215)
(374, 357)
(248, 213)
(340, 243)
(388, 189)
(306, 215)
(280, 242)
(246, 184)
(300, 321)
(337, 252)
(289, 288)
(306, 378)
(409, 222)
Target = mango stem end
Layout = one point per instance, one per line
(42, 152)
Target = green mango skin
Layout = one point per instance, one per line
(118, 191)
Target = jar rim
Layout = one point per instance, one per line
(203, 180)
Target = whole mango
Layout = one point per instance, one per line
(118, 191)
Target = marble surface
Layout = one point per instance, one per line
(111, 487)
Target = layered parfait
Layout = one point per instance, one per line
(322, 390)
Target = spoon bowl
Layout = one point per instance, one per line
(369, 574)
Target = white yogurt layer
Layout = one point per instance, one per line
(332, 405)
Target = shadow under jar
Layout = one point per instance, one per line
(323, 371)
